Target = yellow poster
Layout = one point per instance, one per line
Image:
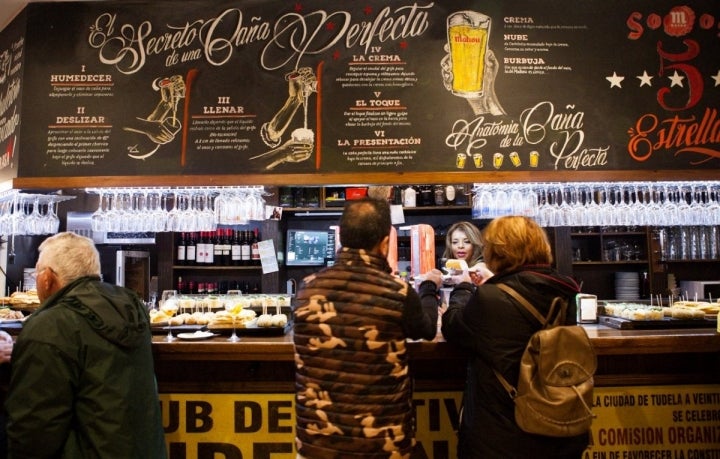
(644, 422)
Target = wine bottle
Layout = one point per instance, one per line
(182, 250)
(254, 248)
(225, 252)
(218, 247)
(201, 249)
(190, 250)
(245, 249)
(235, 256)
(209, 248)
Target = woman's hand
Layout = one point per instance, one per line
(480, 273)
(6, 347)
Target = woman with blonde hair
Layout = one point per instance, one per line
(463, 241)
(490, 325)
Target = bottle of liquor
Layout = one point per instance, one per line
(180, 285)
(182, 250)
(209, 248)
(246, 288)
(256, 288)
(245, 248)
(254, 248)
(190, 250)
(218, 247)
(201, 288)
(235, 256)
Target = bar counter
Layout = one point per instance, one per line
(265, 364)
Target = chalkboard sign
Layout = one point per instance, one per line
(266, 87)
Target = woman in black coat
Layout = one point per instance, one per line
(494, 330)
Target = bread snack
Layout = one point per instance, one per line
(279, 320)
(10, 314)
(158, 317)
(456, 265)
(633, 311)
(685, 312)
(265, 320)
(223, 319)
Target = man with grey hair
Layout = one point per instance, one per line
(82, 381)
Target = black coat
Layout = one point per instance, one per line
(488, 324)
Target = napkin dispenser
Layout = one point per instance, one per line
(586, 308)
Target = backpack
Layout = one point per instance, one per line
(555, 387)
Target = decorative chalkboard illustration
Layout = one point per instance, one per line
(470, 67)
(162, 125)
(5, 62)
(301, 83)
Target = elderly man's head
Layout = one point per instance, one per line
(64, 258)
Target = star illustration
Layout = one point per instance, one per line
(615, 80)
(716, 78)
(645, 79)
(676, 80)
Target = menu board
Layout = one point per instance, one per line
(278, 87)
(11, 69)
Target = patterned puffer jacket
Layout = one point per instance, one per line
(353, 392)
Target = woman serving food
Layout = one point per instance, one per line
(463, 252)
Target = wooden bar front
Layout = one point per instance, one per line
(265, 364)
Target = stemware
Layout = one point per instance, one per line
(34, 221)
(233, 307)
(170, 307)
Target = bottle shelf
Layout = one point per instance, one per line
(598, 263)
(215, 268)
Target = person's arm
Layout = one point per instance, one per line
(420, 313)
(40, 400)
(456, 327)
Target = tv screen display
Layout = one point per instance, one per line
(309, 247)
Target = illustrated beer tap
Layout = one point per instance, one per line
(301, 83)
(162, 124)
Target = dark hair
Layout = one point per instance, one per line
(364, 223)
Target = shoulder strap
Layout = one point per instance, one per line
(544, 321)
(521, 299)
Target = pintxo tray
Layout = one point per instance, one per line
(253, 330)
(666, 323)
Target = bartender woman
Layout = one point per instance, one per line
(463, 242)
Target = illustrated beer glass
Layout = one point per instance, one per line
(468, 33)
(478, 160)
(534, 158)
(460, 160)
(498, 160)
(515, 159)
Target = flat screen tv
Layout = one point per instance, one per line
(309, 247)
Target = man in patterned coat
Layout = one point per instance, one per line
(352, 320)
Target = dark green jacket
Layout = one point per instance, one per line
(82, 381)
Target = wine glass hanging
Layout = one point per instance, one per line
(602, 203)
(176, 209)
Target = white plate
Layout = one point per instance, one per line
(198, 335)
(11, 321)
